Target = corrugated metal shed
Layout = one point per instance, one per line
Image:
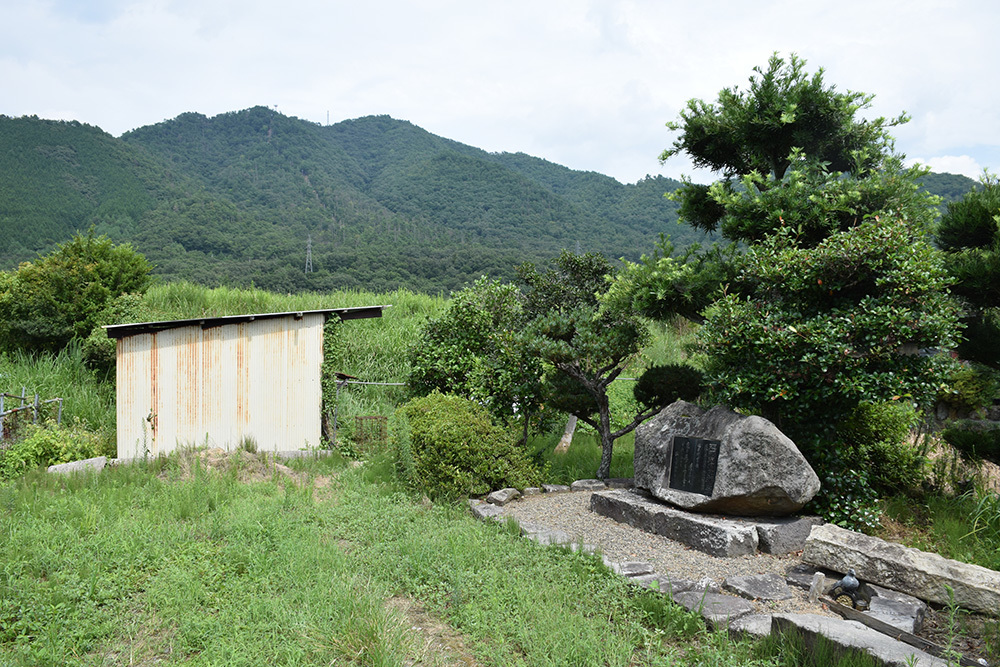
(220, 380)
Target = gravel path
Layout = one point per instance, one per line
(570, 512)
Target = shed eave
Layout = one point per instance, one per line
(119, 331)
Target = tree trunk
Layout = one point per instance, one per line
(567, 437)
(607, 443)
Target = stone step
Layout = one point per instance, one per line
(714, 536)
(927, 576)
(855, 636)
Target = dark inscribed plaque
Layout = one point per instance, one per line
(693, 464)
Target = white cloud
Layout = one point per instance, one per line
(951, 164)
(586, 84)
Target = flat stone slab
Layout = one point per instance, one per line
(754, 626)
(503, 496)
(905, 616)
(785, 535)
(484, 511)
(547, 537)
(621, 482)
(663, 583)
(921, 574)
(717, 610)
(531, 491)
(712, 535)
(758, 587)
(96, 464)
(633, 568)
(588, 485)
(855, 636)
(555, 488)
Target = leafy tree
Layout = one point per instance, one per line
(818, 330)
(473, 350)
(61, 296)
(585, 346)
(838, 289)
(969, 232)
(784, 116)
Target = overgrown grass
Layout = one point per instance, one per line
(142, 564)
(87, 398)
(964, 527)
(129, 568)
(583, 457)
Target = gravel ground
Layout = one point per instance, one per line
(570, 512)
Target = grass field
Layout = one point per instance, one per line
(245, 563)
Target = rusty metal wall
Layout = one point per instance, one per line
(219, 385)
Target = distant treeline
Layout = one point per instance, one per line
(377, 203)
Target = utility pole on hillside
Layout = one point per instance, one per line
(309, 254)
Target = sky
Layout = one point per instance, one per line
(589, 84)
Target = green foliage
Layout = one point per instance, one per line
(587, 346)
(813, 202)
(757, 131)
(45, 445)
(879, 435)
(821, 329)
(98, 349)
(971, 387)
(662, 385)
(62, 296)
(458, 451)
(848, 497)
(474, 350)
(970, 233)
(662, 286)
(976, 440)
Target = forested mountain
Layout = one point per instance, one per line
(238, 198)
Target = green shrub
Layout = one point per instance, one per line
(47, 445)
(47, 303)
(877, 436)
(458, 451)
(971, 387)
(847, 496)
(975, 440)
(662, 385)
(99, 351)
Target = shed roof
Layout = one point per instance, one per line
(124, 330)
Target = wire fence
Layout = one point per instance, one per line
(27, 407)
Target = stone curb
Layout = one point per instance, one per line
(733, 612)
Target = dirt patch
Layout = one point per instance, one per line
(973, 635)
(437, 644)
(246, 466)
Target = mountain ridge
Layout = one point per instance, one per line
(381, 203)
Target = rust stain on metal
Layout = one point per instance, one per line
(194, 385)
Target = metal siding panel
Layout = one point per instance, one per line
(168, 436)
(259, 379)
(134, 396)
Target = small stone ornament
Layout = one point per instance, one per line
(850, 592)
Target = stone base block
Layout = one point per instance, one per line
(712, 535)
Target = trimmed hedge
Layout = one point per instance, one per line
(457, 450)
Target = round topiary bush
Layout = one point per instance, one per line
(662, 385)
(457, 450)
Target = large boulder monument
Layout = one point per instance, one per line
(721, 462)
